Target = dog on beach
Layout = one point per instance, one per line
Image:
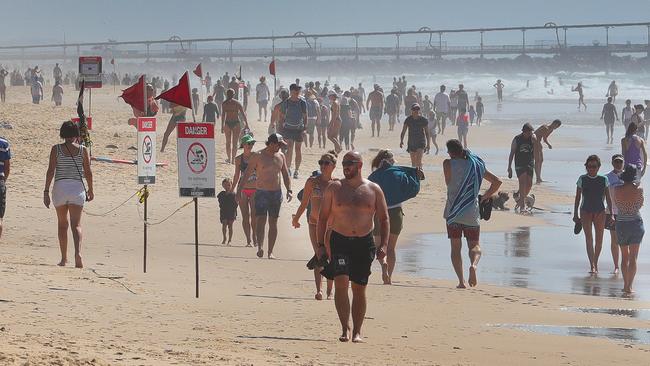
(529, 202)
(498, 202)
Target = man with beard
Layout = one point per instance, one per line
(347, 212)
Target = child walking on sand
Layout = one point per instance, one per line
(227, 209)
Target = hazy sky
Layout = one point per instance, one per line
(40, 21)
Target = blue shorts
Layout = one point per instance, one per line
(629, 232)
(268, 203)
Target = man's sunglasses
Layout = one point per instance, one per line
(349, 162)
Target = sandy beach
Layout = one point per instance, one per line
(254, 311)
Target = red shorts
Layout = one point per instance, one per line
(456, 231)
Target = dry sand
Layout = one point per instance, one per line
(251, 311)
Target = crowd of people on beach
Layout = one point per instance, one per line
(354, 220)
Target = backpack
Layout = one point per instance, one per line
(291, 124)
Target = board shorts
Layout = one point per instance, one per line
(395, 221)
(68, 192)
(528, 169)
(351, 256)
(262, 103)
(629, 232)
(292, 134)
(375, 113)
(268, 203)
(463, 130)
(414, 147)
(456, 231)
(3, 198)
(311, 125)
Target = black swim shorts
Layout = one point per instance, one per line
(3, 198)
(520, 170)
(268, 203)
(351, 256)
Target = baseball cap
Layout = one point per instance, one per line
(618, 157)
(415, 106)
(246, 139)
(276, 138)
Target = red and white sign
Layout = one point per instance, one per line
(196, 159)
(146, 150)
(89, 122)
(90, 71)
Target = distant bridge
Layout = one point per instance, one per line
(311, 46)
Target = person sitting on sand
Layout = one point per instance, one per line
(399, 184)
(542, 133)
(591, 189)
(69, 164)
(312, 196)
(348, 209)
(464, 173)
(523, 149)
(629, 224)
(268, 164)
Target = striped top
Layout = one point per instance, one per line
(68, 167)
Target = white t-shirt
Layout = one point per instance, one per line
(614, 181)
(441, 102)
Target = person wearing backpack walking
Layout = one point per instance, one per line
(293, 117)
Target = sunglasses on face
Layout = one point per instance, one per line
(349, 162)
(324, 162)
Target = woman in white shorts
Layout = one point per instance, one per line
(69, 163)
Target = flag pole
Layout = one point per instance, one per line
(145, 191)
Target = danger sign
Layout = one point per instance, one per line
(196, 165)
(146, 150)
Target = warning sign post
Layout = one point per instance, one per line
(196, 170)
(146, 150)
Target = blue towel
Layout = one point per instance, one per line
(399, 183)
(470, 187)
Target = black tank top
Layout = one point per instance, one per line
(524, 151)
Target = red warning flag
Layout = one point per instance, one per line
(180, 94)
(134, 95)
(272, 68)
(198, 71)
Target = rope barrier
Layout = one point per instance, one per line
(138, 192)
(149, 223)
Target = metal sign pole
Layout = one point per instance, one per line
(196, 243)
(146, 197)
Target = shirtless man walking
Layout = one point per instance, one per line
(581, 96)
(335, 121)
(230, 124)
(347, 212)
(268, 164)
(542, 134)
(375, 106)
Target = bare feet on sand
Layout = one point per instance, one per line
(78, 262)
(62, 263)
(260, 253)
(319, 295)
(461, 285)
(615, 272)
(357, 338)
(345, 336)
(271, 256)
(384, 274)
(472, 276)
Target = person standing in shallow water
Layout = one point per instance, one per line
(629, 224)
(542, 133)
(589, 209)
(613, 177)
(609, 116)
(464, 173)
(581, 96)
(523, 150)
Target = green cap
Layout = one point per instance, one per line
(246, 139)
